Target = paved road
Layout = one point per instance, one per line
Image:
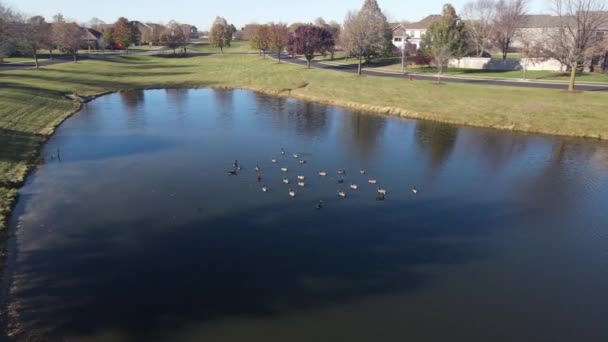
(514, 83)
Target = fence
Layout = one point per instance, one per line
(480, 63)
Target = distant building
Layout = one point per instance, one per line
(193, 32)
(412, 33)
(94, 39)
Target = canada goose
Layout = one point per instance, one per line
(341, 172)
(340, 181)
(232, 173)
(235, 164)
(292, 193)
(415, 191)
(354, 186)
(282, 151)
(285, 180)
(301, 184)
(372, 181)
(382, 191)
(264, 188)
(301, 177)
(322, 173)
(296, 156)
(362, 171)
(259, 178)
(257, 168)
(380, 197)
(302, 162)
(342, 194)
(284, 169)
(319, 205)
(273, 160)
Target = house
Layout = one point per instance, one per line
(534, 28)
(412, 33)
(94, 39)
(193, 32)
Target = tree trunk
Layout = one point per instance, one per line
(279, 56)
(36, 59)
(572, 76)
(75, 54)
(222, 49)
(332, 54)
(403, 57)
(308, 63)
(127, 50)
(264, 54)
(359, 67)
(51, 54)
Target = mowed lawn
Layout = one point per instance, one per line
(32, 102)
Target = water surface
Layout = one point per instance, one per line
(138, 233)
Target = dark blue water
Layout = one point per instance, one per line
(138, 232)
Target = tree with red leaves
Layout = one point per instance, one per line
(310, 39)
(124, 33)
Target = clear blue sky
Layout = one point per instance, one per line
(201, 13)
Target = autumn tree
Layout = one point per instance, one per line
(367, 33)
(278, 37)
(67, 35)
(479, 16)
(334, 28)
(124, 33)
(509, 16)
(260, 39)
(35, 34)
(221, 34)
(310, 39)
(445, 38)
(173, 36)
(576, 40)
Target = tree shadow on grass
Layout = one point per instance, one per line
(159, 277)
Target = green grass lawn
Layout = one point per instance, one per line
(236, 46)
(32, 102)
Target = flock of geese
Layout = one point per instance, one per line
(301, 179)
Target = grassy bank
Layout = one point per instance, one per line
(32, 102)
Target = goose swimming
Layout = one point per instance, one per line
(322, 173)
(235, 164)
(415, 191)
(362, 171)
(354, 186)
(302, 162)
(292, 193)
(296, 156)
(342, 194)
(319, 205)
(282, 151)
(380, 197)
(259, 178)
(340, 181)
(285, 180)
(274, 161)
(257, 168)
(232, 173)
(382, 191)
(284, 169)
(301, 184)
(301, 177)
(264, 188)
(372, 181)
(341, 172)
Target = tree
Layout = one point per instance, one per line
(35, 35)
(67, 35)
(124, 33)
(278, 36)
(576, 39)
(445, 38)
(260, 39)
(310, 39)
(96, 24)
(334, 28)
(108, 37)
(7, 26)
(248, 32)
(173, 36)
(221, 34)
(367, 33)
(479, 17)
(509, 15)
(187, 30)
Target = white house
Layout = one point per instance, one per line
(412, 33)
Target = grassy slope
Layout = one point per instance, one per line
(32, 102)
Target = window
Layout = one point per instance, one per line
(398, 39)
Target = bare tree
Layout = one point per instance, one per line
(173, 36)
(366, 33)
(7, 25)
(479, 16)
(35, 34)
(576, 39)
(508, 19)
(67, 35)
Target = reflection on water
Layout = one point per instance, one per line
(139, 234)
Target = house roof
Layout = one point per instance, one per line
(422, 24)
(94, 33)
(539, 21)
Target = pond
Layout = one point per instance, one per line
(134, 230)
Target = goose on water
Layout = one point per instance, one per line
(362, 171)
(296, 156)
(285, 180)
(301, 177)
(415, 191)
(232, 173)
(380, 197)
(342, 194)
(259, 178)
(282, 151)
(341, 172)
(301, 184)
(372, 181)
(284, 169)
(354, 186)
(382, 191)
(319, 205)
(292, 193)
(257, 168)
(264, 188)
(340, 181)
(322, 173)
(273, 160)
(235, 164)
(302, 162)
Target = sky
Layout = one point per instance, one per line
(239, 12)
